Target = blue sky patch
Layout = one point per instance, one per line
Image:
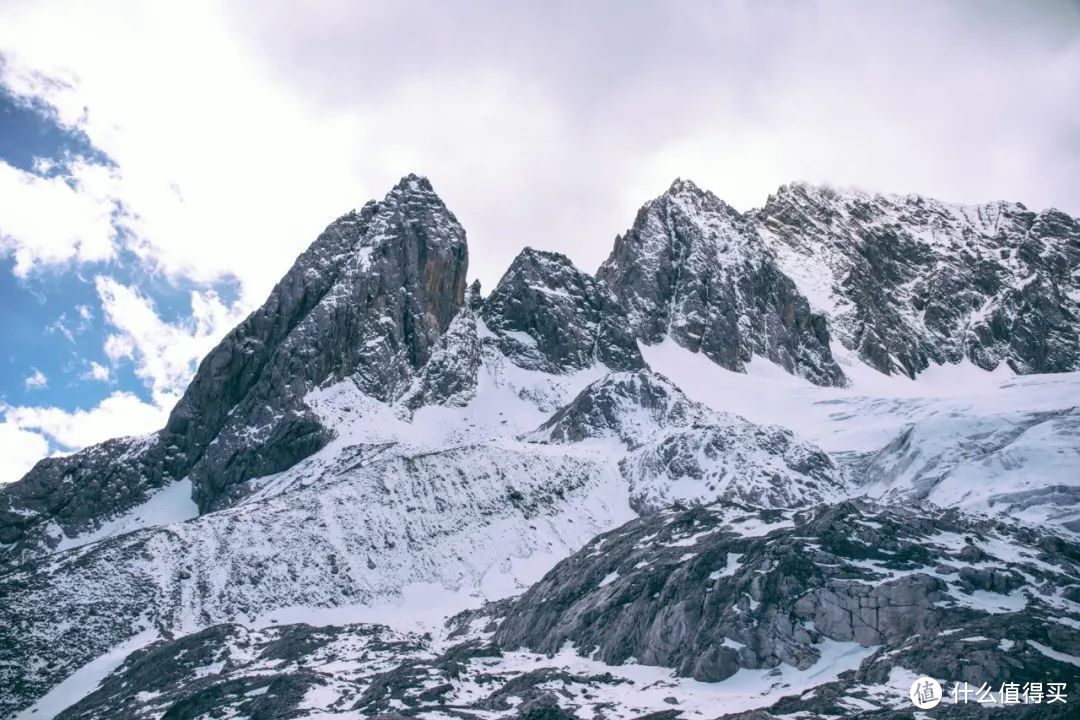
(54, 327)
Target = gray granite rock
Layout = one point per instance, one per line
(693, 268)
(691, 590)
(909, 280)
(547, 315)
(369, 300)
(450, 376)
(630, 406)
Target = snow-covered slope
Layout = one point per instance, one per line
(474, 498)
(704, 612)
(683, 453)
(958, 436)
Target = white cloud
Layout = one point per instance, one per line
(69, 330)
(97, 372)
(46, 221)
(117, 415)
(539, 125)
(165, 355)
(221, 168)
(36, 380)
(119, 347)
(740, 96)
(22, 449)
(61, 326)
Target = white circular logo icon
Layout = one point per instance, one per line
(925, 693)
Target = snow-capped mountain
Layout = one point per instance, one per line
(907, 282)
(659, 461)
(694, 269)
(368, 300)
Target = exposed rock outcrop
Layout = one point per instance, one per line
(907, 281)
(702, 591)
(695, 269)
(547, 315)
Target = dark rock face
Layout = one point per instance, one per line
(369, 299)
(548, 315)
(73, 490)
(983, 651)
(686, 590)
(450, 376)
(912, 280)
(694, 269)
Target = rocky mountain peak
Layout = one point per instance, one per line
(694, 199)
(416, 202)
(545, 314)
(685, 188)
(630, 406)
(368, 300)
(413, 184)
(694, 269)
(541, 265)
(907, 281)
(829, 203)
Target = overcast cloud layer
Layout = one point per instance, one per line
(237, 131)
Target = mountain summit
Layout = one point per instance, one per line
(368, 300)
(695, 269)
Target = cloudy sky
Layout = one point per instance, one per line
(162, 164)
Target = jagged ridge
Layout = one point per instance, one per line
(695, 269)
(907, 281)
